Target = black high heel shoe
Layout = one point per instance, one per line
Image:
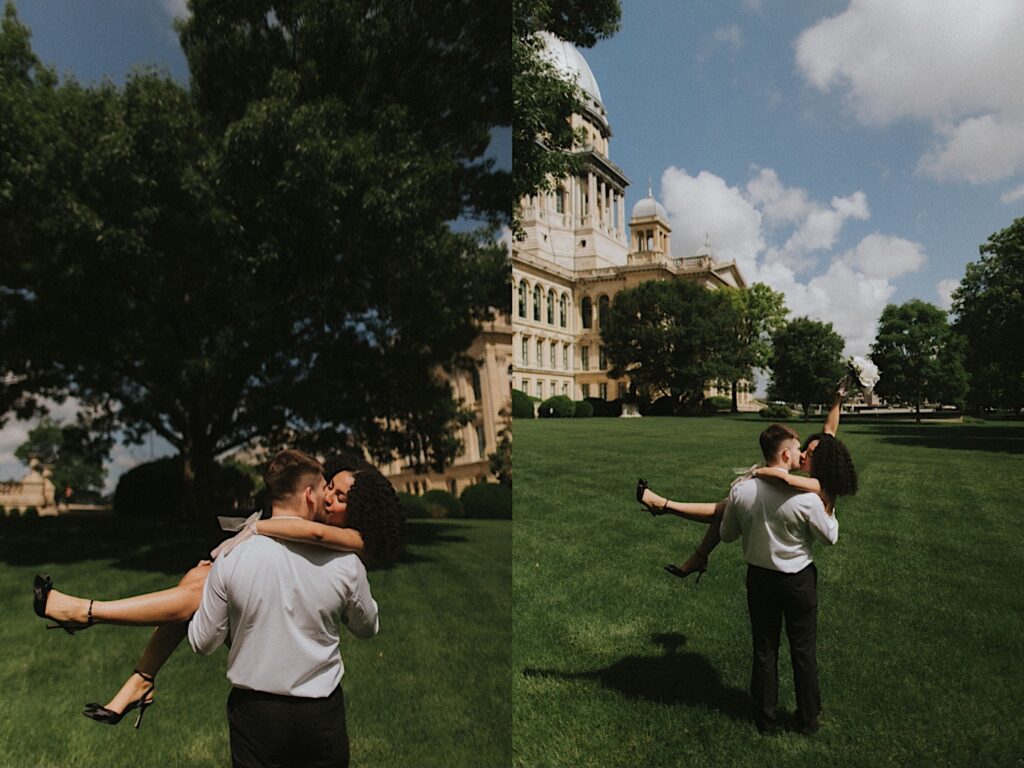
(682, 573)
(101, 714)
(641, 486)
(41, 593)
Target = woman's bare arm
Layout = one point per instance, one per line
(799, 482)
(832, 420)
(292, 529)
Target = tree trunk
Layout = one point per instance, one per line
(735, 399)
(917, 412)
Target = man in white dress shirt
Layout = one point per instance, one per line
(778, 525)
(279, 605)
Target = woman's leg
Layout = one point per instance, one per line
(165, 639)
(168, 606)
(713, 535)
(700, 512)
(161, 645)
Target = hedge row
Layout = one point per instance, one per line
(482, 501)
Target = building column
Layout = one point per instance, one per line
(592, 197)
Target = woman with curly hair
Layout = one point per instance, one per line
(824, 458)
(362, 514)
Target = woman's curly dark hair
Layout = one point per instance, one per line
(832, 466)
(373, 507)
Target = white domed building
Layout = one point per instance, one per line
(578, 251)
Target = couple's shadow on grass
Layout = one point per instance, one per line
(672, 677)
(161, 546)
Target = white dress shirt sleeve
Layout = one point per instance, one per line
(360, 615)
(208, 628)
(730, 525)
(824, 527)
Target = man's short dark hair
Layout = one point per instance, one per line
(773, 437)
(289, 472)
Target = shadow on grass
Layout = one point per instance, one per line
(963, 438)
(160, 546)
(675, 677)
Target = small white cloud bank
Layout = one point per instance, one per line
(784, 238)
(176, 9)
(944, 290)
(955, 64)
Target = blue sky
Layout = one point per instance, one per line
(851, 153)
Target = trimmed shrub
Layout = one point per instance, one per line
(413, 506)
(557, 407)
(719, 403)
(583, 410)
(14, 512)
(604, 408)
(31, 512)
(522, 405)
(442, 504)
(488, 501)
(156, 489)
(777, 412)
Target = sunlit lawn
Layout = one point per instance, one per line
(432, 689)
(921, 638)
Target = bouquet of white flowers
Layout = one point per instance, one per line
(861, 373)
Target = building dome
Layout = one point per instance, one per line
(649, 207)
(573, 67)
(705, 250)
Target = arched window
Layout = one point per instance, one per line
(551, 306)
(536, 303)
(602, 311)
(587, 310)
(522, 298)
(563, 310)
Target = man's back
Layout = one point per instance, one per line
(778, 524)
(279, 605)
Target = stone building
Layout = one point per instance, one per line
(488, 391)
(578, 251)
(35, 490)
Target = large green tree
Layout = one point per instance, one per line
(760, 313)
(917, 355)
(267, 256)
(989, 309)
(671, 337)
(75, 454)
(806, 363)
(543, 101)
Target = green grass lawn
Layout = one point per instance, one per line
(920, 649)
(432, 689)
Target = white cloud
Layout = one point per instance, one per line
(953, 63)
(767, 228)
(730, 35)
(885, 257)
(752, 5)
(177, 9)
(705, 205)
(1013, 195)
(945, 290)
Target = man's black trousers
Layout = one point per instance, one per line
(772, 596)
(271, 731)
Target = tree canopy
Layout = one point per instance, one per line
(806, 363)
(760, 313)
(672, 337)
(989, 309)
(917, 355)
(75, 454)
(269, 253)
